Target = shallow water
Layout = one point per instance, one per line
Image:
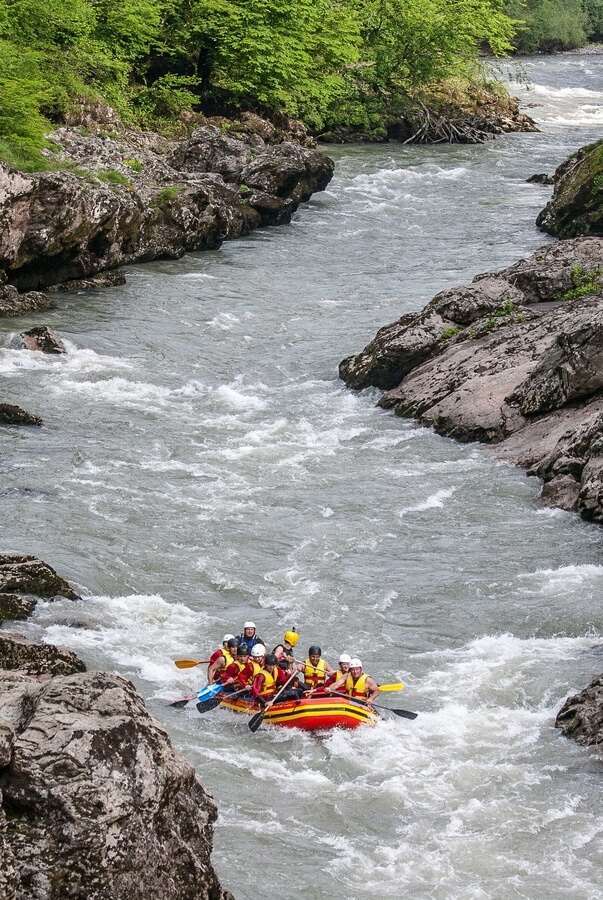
(201, 464)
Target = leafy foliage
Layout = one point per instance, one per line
(325, 61)
(556, 24)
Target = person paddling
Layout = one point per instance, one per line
(315, 668)
(222, 657)
(343, 668)
(249, 636)
(232, 676)
(254, 665)
(356, 683)
(264, 683)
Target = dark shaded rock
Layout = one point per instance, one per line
(19, 653)
(561, 492)
(43, 339)
(581, 716)
(540, 178)
(112, 278)
(12, 303)
(293, 172)
(14, 415)
(29, 575)
(99, 804)
(577, 204)
(12, 606)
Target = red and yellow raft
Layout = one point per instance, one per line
(310, 714)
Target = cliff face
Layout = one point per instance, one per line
(577, 204)
(95, 804)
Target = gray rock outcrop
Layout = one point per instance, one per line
(145, 197)
(581, 716)
(95, 803)
(515, 359)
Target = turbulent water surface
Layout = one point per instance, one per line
(201, 464)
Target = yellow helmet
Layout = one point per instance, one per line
(291, 638)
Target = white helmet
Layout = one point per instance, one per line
(249, 625)
(227, 637)
(345, 658)
(259, 650)
(355, 663)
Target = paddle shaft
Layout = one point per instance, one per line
(405, 713)
(255, 721)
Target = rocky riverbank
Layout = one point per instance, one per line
(515, 358)
(94, 801)
(125, 196)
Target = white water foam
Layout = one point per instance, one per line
(76, 361)
(128, 631)
(434, 501)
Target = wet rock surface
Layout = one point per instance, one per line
(21, 574)
(10, 414)
(95, 802)
(577, 204)
(42, 339)
(581, 716)
(514, 359)
(145, 197)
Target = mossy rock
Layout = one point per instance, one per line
(577, 204)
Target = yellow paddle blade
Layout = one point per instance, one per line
(189, 663)
(396, 686)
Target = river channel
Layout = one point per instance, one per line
(203, 465)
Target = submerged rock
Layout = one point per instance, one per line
(95, 803)
(577, 204)
(43, 339)
(15, 415)
(514, 359)
(581, 716)
(540, 178)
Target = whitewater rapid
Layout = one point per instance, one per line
(201, 464)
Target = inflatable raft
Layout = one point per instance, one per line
(311, 714)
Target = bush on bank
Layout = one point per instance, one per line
(548, 25)
(328, 62)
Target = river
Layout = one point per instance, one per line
(202, 464)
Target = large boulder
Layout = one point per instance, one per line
(577, 204)
(581, 716)
(96, 805)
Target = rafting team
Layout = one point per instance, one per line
(243, 665)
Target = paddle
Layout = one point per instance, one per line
(403, 713)
(189, 663)
(255, 721)
(395, 686)
(182, 701)
(206, 693)
(206, 705)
